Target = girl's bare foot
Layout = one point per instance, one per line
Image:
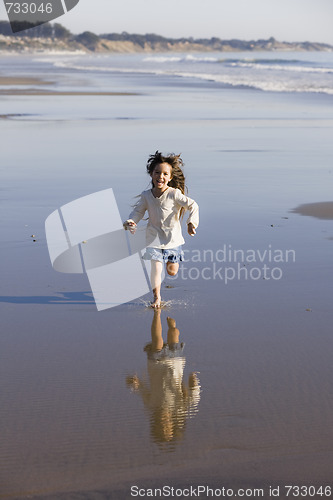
(157, 302)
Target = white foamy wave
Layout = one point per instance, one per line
(230, 80)
(277, 74)
(187, 58)
(104, 69)
(280, 67)
(161, 59)
(271, 86)
(201, 59)
(47, 56)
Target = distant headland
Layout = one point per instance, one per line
(55, 37)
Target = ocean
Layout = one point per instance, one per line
(271, 71)
(266, 71)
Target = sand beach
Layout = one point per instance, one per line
(23, 86)
(247, 406)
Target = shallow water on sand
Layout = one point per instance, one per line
(248, 402)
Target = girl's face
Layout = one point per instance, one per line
(162, 174)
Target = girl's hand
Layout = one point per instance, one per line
(130, 225)
(191, 229)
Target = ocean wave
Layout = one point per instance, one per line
(48, 56)
(265, 61)
(187, 58)
(221, 60)
(251, 83)
(240, 81)
(162, 59)
(280, 67)
(102, 69)
(272, 76)
(261, 64)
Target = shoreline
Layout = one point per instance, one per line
(37, 92)
(167, 70)
(25, 81)
(22, 80)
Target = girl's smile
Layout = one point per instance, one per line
(161, 176)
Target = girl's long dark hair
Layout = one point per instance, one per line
(176, 164)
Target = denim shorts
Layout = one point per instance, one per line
(164, 254)
(168, 351)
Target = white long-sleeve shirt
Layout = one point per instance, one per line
(163, 212)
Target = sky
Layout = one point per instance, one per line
(285, 20)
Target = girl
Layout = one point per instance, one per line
(165, 203)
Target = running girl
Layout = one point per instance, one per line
(166, 203)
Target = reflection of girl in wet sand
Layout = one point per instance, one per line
(165, 204)
(169, 400)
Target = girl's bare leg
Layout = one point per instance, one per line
(156, 331)
(173, 332)
(172, 268)
(156, 277)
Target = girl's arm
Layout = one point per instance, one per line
(191, 229)
(137, 213)
(192, 207)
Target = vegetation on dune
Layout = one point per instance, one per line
(55, 35)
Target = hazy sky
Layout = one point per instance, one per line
(290, 20)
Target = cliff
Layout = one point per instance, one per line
(54, 37)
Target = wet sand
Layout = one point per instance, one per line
(322, 210)
(75, 424)
(10, 80)
(24, 81)
(38, 92)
